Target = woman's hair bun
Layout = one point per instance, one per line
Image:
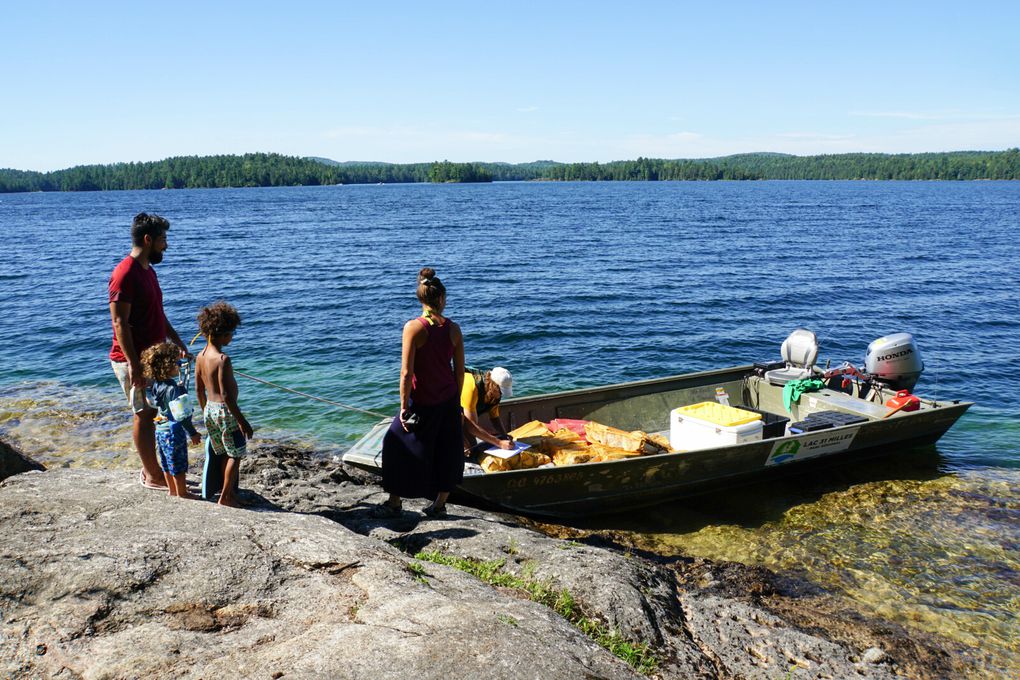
(430, 290)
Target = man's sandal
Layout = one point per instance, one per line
(149, 485)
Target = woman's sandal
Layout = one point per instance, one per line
(385, 510)
(433, 511)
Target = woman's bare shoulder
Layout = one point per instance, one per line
(414, 326)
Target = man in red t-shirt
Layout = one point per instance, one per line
(136, 309)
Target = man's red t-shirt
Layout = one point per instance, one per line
(133, 283)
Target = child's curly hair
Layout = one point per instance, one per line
(218, 319)
(159, 361)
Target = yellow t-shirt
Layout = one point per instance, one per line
(469, 397)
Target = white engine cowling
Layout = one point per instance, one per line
(895, 360)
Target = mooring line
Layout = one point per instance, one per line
(312, 396)
(303, 394)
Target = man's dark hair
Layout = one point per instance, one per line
(144, 225)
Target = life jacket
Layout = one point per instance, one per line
(479, 377)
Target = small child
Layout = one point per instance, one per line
(173, 416)
(217, 394)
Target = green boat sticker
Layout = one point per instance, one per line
(809, 446)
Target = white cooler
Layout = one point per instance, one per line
(708, 424)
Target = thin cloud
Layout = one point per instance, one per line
(936, 115)
(818, 136)
(420, 143)
(684, 136)
(905, 115)
(473, 136)
(363, 132)
(413, 144)
(409, 132)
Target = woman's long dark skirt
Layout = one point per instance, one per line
(429, 460)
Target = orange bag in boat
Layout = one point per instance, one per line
(496, 464)
(524, 460)
(602, 453)
(571, 456)
(532, 459)
(617, 439)
(535, 428)
(572, 424)
(561, 439)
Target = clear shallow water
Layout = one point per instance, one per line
(573, 285)
(903, 539)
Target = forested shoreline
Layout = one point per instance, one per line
(267, 170)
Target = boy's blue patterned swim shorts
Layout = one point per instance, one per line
(172, 447)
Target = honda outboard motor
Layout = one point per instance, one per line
(895, 361)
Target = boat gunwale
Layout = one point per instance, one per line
(744, 370)
(715, 450)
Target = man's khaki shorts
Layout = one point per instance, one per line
(135, 397)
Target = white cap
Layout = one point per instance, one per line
(502, 377)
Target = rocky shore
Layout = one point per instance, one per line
(104, 579)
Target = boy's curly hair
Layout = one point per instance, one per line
(218, 319)
(159, 361)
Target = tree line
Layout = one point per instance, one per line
(961, 165)
(458, 172)
(268, 169)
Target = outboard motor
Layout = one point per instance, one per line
(895, 361)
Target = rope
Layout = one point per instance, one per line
(312, 396)
(303, 394)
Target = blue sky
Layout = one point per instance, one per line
(106, 82)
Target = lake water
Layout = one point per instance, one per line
(574, 285)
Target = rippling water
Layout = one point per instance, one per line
(573, 285)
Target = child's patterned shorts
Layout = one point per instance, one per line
(227, 438)
(172, 447)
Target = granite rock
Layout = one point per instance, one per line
(104, 579)
(14, 462)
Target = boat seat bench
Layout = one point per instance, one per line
(770, 398)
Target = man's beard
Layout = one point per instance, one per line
(155, 257)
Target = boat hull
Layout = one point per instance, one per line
(603, 488)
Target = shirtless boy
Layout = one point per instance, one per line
(217, 394)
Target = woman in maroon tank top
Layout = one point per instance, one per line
(422, 451)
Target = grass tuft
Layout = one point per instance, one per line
(637, 654)
(417, 569)
(508, 620)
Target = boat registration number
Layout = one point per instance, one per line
(811, 445)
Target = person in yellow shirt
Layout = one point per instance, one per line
(482, 393)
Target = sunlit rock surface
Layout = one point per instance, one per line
(104, 579)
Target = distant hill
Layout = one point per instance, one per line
(500, 172)
(269, 169)
(330, 161)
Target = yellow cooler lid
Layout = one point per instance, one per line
(718, 414)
